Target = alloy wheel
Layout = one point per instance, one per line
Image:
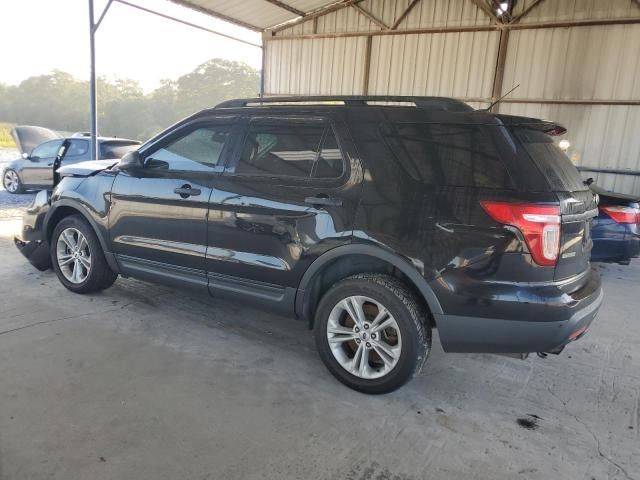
(364, 337)
(73, 255)
(11, 181)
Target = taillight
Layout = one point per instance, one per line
(623, 214)
(539, 224)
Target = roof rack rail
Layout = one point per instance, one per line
(437, 103)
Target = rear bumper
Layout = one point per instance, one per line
(615, 242)
(568, 316)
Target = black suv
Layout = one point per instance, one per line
(374, 219)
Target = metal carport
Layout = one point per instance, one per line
(576, 61)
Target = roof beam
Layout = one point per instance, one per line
(184, 22)
(286, 7)
(371, 16)
(319, 12)
(485, 8)
(406, 12)
(221, 16)
(527, 10)
(466, 28)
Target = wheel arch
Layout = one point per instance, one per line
(65, 208)
(347, 260)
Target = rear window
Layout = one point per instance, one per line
(290, 148)
(556, 167)
(451, 155)
(116, 150)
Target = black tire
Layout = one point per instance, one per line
(408, 314)
(20, 188)
(100, 275)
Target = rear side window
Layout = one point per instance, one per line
(117, 150)
(290, 148)
(556, 167)
(451, 155)
(77, 147)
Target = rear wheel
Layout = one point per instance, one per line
(370, 333)
(11, 181)
(77, 257)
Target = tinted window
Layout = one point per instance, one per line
(329, 163)
(290, 149)
(47, 149)
(117, 150)
(77, 147)
(557, 168)
(452, 155)
(198, 150)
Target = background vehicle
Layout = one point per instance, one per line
(374, 223)
(36, 169)
(616, 230)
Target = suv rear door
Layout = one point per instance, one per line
(288, 196)
(577, 202)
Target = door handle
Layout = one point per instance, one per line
(186, 191)
(324, 200)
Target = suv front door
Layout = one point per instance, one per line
(158, 217)
(289, 195)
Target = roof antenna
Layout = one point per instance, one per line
(500, 99)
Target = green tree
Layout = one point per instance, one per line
(59, 101)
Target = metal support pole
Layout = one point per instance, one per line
(367, 65)
(498, 76)
(93, 28)
(265, 36)
(92, 85)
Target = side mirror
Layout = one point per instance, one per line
(25, 156)
(34, 158)
(130, 161)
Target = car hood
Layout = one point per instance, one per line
(27, 137)
(86, 169)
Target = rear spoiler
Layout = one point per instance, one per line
(546, 126)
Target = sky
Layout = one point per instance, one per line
(38, 36)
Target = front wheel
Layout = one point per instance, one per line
(77, 257)
(11, 181)
(370, 333)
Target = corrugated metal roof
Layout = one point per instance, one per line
(435, 13)
(257, 14)
(595, 63)
(457, 65)
(558, 10)
(330, 66)
(601, 136)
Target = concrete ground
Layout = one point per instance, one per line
(146, 382)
